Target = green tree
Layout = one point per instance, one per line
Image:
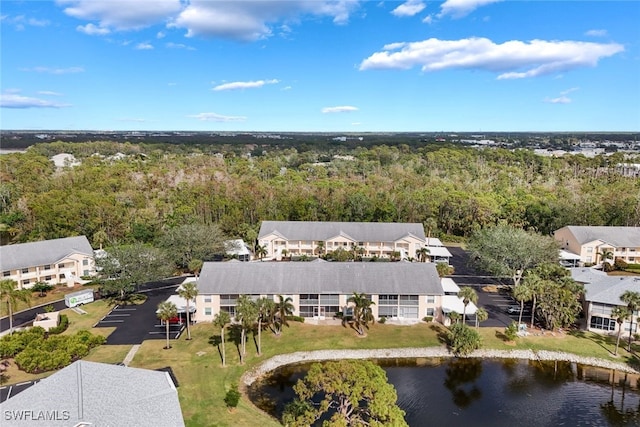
(167, 311)
(558, 301)
(349, 393)
(509, 251)
(468, 294)
(604, 255)
(266, 308)
(221, 320)
(127, 266)
(320, 248)
(261, 251)
(423, 254)
(444, 269)
(10, 294)
(632, 299)
(462, 339)
(246, 315)
(42, 288)
(522, 293)
(455, 317)
(188, 291)
(195, 265)
(481, 316)
(621, 314)
(192, 241)
(362, 312)
(284, 308)
(232, 397)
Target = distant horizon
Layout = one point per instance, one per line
(320, 66)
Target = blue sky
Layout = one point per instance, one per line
(330, 66)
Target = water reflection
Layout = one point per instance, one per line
(475, 392)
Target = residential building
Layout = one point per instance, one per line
(238, 249)
(451, 302)
(319, 289)
(310, 238)
(97, 395)
(437, 251)
(602, 295)
(55, 261)
(589, 241)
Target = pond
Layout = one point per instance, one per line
(476, 392)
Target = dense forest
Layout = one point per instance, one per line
(453, 190)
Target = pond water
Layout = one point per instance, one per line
(476, 392)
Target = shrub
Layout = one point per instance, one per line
(382, 320)
(427, 319)
(462, 339)
(296, 318)
(620, 264)
(64, 324)
(232, 397)
(511, 331)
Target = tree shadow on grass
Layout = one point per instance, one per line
(441, 333)
(235, 336)
(216, 340)
(604, 341)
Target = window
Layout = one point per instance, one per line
(388, 300)
(207, 311)
(6, 273)
(85, 272)
(409, 300)
(85, 262)
(25, 270)
(207, 298)
(603, 323)
(47, 267)
(25, 282)
(431, 299)
(47, 278)
(431, 311)
(589, 250)
(61, 265)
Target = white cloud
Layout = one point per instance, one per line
(409, 8)
(340, 109)
(428, 19)
(144, 46)
(461, 8)
(171, 45)
(13, 100)
(568, 91)
(558, 100)
(49, 93)
(19, 21)
(49, 70)
(93, 30)
(214, 117)
(244, 85)
(253, 20)
(512, 59)
(596, 33)
(122, 14)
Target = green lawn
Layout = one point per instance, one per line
(56, 294)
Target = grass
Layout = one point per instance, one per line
(56, 294)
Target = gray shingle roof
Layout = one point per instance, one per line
(321, 277)
(602, 288)
(23, 255)
(100, 394)
(619, 237)
(359, 231)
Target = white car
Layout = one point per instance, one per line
(513, 309)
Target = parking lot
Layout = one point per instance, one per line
(136, 323)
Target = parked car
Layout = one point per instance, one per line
(513, 309)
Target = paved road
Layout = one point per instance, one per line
(495, 302)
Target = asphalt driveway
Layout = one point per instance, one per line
(136, 323)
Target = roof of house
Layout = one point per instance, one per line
(439, 251)
(602, 288)
(619, 237)
(98, 394)
(358, 231)
(23, 255)
(319, 277)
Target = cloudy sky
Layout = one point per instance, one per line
(314, 65)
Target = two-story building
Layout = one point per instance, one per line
(54, 261)
(319, 289)
(589, 242)
(313, 238)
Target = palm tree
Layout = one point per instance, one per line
(358, 252)
(195, 265)
(265, 307)
(604, 255)
(481, 316)
(247, 315)
(454, 316)
(320, 247)
(167, 311)
(468, 294)
(284, 307)
(10, 294)
(221, 320)
(261, 251)
(188, 291)
(522, 293)
(284, 254)
(362, 312)
(632, 299)
(423, 254)
(621, 314)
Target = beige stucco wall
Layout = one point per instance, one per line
(71, 267)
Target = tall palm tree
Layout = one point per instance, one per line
(423, 254)
(284, 307)
(604, 255)
(261, 251)
(188, 291)
(621, 314)
(265, 308)
(481, 316)
(632, 299)
(195, 265)
(246, 315)
(10, 294)
(523, 292)
(221, 320)
(362, 312)
(166, 311)
(468, 294)
(320, 247)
